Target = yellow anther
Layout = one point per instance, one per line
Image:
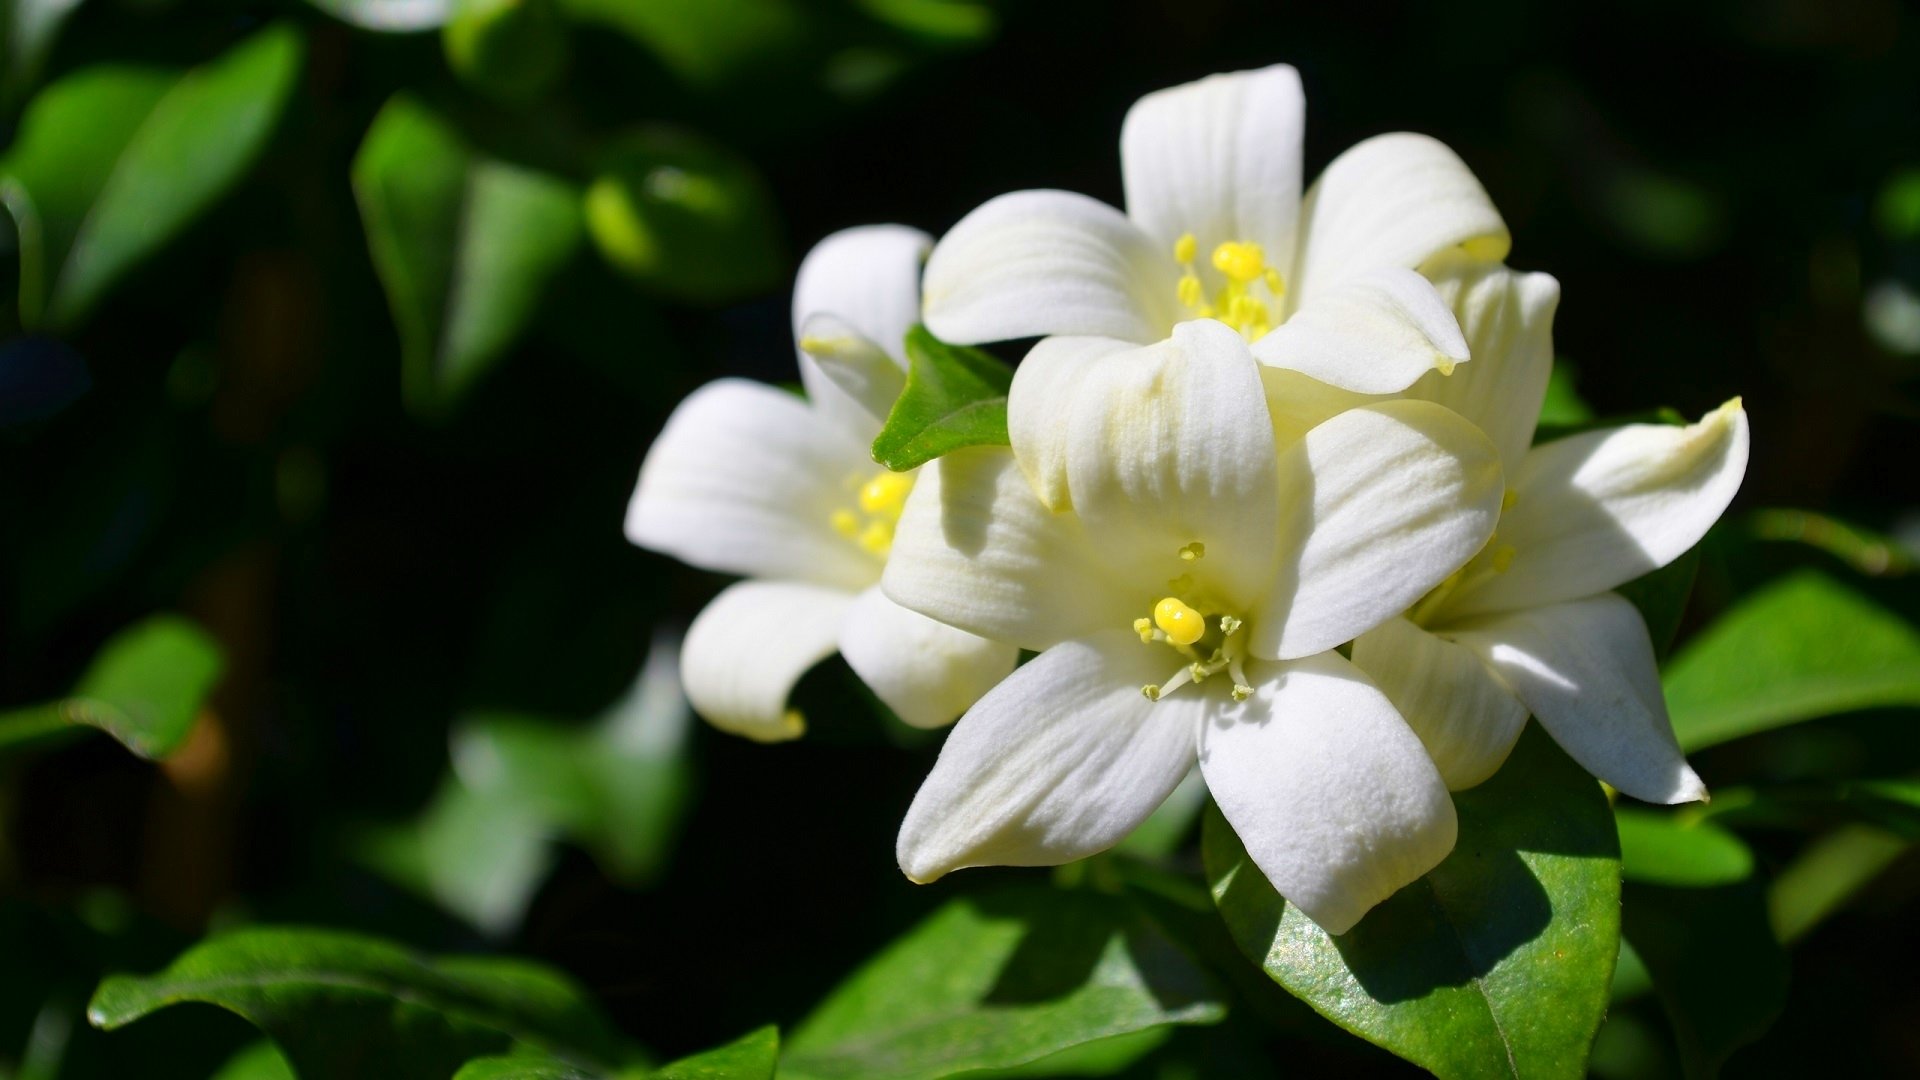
(1242, 691)
(1274, 283)
(846, 523)
(1144, 627)
(1229, 625)
(1503, 559)
(1181, 624)
(1195, 550)
(1185, 248)
(1190, 295)
(1507, 500)
(876, 538)
(1241, 262)
(885, 493)
(1150, 692)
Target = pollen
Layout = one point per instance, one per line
(1181, 624)
(1195, 550)
(1185, 248)
(1144, 627)
(1150, 692)
(1240, 261)
(885, 494)
(846, 523)
(1189, 291)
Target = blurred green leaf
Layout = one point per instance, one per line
(1716, 967)
(706, 43)
(1863, 550)
(1662, 849)
(465, 245)
(257, 1061)
(145, 688)
(397, 16)
(524, 1067)
(937, 22)
(342, 1005)
(512, 50)
(685, 217)
(1801, 648)
(1823, 877)
(1898, 208)
(750, 1057)
(956, 397)
(1662, 596)
(1630, 977)
(996, 981)
(1497, 963)
(108, 170)
(1563, 406)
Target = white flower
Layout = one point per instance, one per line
(1530, 626)
(1216, 227)
(751, 480)
(1185, 607)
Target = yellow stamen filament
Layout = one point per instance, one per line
(1181, 624)
(1244, 266)
(880, 499)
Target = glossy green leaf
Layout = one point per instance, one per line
(512, 50)
(1660, 848)
(145, 688)
(1828, 873)
(706, 43)
(1802, 648)
(393, 16)
(524, 1067)
(465, 245)
(996, 981)
(1563, 406)
(342, 1005)
(1496, 964)
(956, 396)
(259, 1061)
(753, 1056)
(1716, 967)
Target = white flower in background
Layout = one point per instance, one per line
(1530, 625)
(752, 480)
(1185, 607)
(1216, 228)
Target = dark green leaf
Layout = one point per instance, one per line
(1661, 849)
(750, 1057)
(1662, 598)
(512, 50)
(1863, 550)
(341, 1005)
(705, 42)
(1715, 964)
(260, 1061)
(956, 397)
(145, 688)
(395, 16)
(1497, 963)
(523, 1067)
(1802, 648)
(1826, 875)
(998, 981)
(466, 245)
(1563, 406)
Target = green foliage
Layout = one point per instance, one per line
(1497, 963)
(956, 396)
(1660, 849)
(997, 981)
(1802, 648)
(389, 15)
(1823, 877)
(145, 688)
(513, 50)
(1662, 596)
(1714, 962)
(750, 1057)
(341, 1005)
(258, 1061)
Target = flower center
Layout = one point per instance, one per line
(877, 501)
(1249, 300)
(1208, 640)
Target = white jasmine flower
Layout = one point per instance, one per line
(1183, 608)
(751, 480)
(1216, 228)
(1530, 625)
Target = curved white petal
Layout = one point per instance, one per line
(744, 479)
(1382, 503)
(1376, 334)
(977, 550)
(1586, 670)
(1507, 319)
(746, 650)
(1044, 388)
(1219, 158)
(860, 373)
(869, 278)
(1596, 510)
(927, 672)
(1331, 793)
(1392, 200)
(1036, 263)
(1467, 719)
(1060, 761)
(1170, 445)
(1299, 403)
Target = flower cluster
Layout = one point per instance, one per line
(1272, 506)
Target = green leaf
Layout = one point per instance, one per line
(997, 981)
(511, 50)
(1497, 963)
(96, 200)
(1716, 967)
(258, 1061)
(145, 688)
(1826, 875)
(707, 43)
(342, 1005)
(465, 245)
(522, 1067)
(750, 1057)
(956, 396)
(1563, 406)
(1802, 648)
(393, 16)
(1662, 849)
(1662, 596)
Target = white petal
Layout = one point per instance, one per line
(1383, 503)
(1036, 263)
(1060, 761)
(1170, 445)
(927, 672)
(1596, 510)
(977, 550)
(860, 373)
(1467, 719)
(748, 648)
(1376, 334)
(1219, 158)
(869, 278)
(1299, 403)
(1507, 318)
(1331, 793)
(744, 479)
(1044, 388)
(1392, 200)
(1586, 670)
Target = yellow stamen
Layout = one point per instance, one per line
(1229, 625)
(1150, 692)
(1195, 550)
(886, 493)
(1185, 248)
(1144, 627)
(1240, 261)
(846, 523)
(876, 538)
(1278, 286)
(1181, 624)
(1190, 295)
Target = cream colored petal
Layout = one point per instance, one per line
(1038, 263)
(1377, 334)
(1465, 716)
(1044, 388)
(868, 277)
(1333, 796)
(1298, 403)
(748, 648)
(1597, 510)
(860, 373)
(927, 672)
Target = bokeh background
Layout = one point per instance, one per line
(407, 546)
